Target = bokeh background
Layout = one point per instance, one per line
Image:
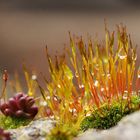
(27, 26)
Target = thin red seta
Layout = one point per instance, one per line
(5, 79)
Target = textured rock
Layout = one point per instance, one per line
(127, 129)
(36, 130)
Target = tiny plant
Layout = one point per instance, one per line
(18, 111)
(20, 105)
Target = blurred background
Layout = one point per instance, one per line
(27, 26)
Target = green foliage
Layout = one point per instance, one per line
(107, 117)
(103, 119)
(12, 123)
(135, 100)
(62, 133)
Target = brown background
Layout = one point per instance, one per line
(27, 26)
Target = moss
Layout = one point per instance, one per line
(104, 120)
(135, 100)
(108, 117)
(12, 123)
(62, 133)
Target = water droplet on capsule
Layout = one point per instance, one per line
(107, 88)
(48, 97)
(43, 103)
(88, 114)
(81, 86)
(55, 98)
(34, 77)
(59, 86)
(92, 73)
(52, 117)
(96, 83)
(125, 96)
(134, 58)
(69, 77)
(102, 89)
(122, 54)
(76, 74)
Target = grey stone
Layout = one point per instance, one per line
(36, 130)
(127, 129)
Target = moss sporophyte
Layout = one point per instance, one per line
(98, 88)
(95, 90)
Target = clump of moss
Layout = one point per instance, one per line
(103, 119)
(12, 122)
(62, 133)
(107, 117)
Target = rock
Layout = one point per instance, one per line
(36, 130)
(127, 129)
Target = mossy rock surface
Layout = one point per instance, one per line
(12, 123)
(108, 116)
(128, 128)
(35, 130)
